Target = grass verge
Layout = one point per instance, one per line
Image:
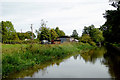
(22, 56)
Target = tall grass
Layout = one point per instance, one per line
(18, 57)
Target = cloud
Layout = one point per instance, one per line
(48, 1)
(69, 15)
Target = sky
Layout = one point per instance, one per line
(68, 15)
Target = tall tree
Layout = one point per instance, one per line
(43, 33)
(87, 30)
(75, 34)
(8, 31)
(95, 34)
(111, 28)
(59, 32)
(54, 35)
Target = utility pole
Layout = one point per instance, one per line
(21, 30)
(32, 30)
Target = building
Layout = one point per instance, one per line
(65, 39)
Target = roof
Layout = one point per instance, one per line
(64, 37)
(57, 40)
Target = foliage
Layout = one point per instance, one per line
(53, 33)
(30, 35)
(116, 4)
(43, 33)
(111, 28)
(87, 30)
(20, 41)
(26, 35)
(8, 31)
(75, 34)
(87, 39)
(97, 35)
(59, 32)
(94, 33)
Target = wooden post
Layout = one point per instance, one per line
(32, 30)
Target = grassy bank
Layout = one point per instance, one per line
(22, 56)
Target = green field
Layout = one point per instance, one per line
(16, 57)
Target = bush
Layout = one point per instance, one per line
(92, 43)
(20, 42)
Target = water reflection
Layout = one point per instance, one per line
(93, 55)
(76, 56)
(29, 73)
(105, 64)
(112, 61)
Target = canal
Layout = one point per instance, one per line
(97, 63)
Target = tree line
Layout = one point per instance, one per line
(90, 34)
(8, 32)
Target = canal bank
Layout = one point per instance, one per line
(91, 64)
(21, 57)
(115, 47)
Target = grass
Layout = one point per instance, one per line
(22, 56)
(117, 45)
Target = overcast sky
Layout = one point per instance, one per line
(66, 14)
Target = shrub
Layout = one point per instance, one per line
(20, 41)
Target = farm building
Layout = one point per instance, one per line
(65, 39)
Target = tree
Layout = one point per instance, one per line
(43, 33)
(59, 32)
(8, 31)
(30, 35)
(0, 32)
(26, 35)
(87, 30)
(111, 30)
(85, 38)
(116, 4)
(75, 34)
(54, 35)
(15, 36)
(95, 34)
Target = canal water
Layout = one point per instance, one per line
(97, 63)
